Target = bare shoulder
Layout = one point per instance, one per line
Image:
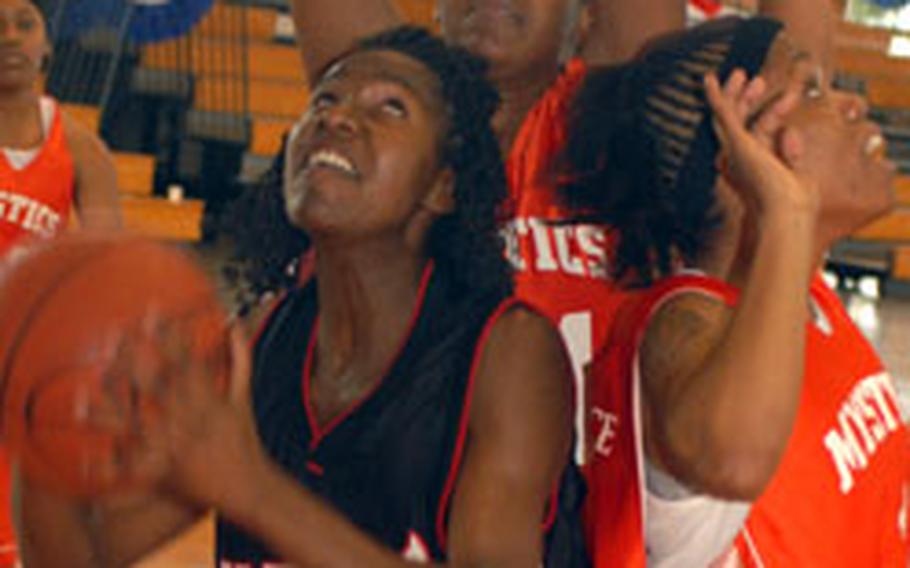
(524, 362)
(521, 325)
(81, 139)
(679, 337)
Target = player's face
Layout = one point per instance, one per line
(364, 159)
(23, 43)
(842, 149)
(516, 36)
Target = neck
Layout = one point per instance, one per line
(739, 270)
(519, 95)
(14, 100)
(367, 296)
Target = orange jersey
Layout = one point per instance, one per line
(36, 200)
(841, 494)
(560, 269)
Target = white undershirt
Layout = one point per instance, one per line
(20, 159)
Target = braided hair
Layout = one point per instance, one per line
(466, 242)
(641, 152)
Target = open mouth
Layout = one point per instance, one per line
(875, 147)
(332, 160)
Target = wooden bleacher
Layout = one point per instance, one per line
(267, 135)
(142, 213)
(162, 219)
(86, 115)
(135, 173)
(266, 98)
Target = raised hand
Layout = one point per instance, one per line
(751, 158)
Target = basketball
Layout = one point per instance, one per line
(75, 317)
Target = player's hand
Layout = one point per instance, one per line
(179, 427)
(751, 155)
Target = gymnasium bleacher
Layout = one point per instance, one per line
(206, 111)
(190, 119)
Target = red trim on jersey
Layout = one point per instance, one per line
(267, 319)
(457, 454)
(320, 432)
(709, 7)
(315, 468)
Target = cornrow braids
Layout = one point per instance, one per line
(466, 242)
(641, 151)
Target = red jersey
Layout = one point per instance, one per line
(560, 269)
(36, 200)
(841, 494)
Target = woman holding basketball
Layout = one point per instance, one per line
(48, 165)
(402, 407)
(751, 416)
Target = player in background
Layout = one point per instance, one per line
(539, 52)
(738, 415)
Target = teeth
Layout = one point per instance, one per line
(875, 146)
(332, 159)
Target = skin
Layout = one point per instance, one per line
(526, 41)
(23, 48)
(519, 424)
(803, 180)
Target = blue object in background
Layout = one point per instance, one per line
(890, 4)
(157, 20)
(150, 20)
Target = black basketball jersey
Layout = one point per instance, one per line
(390, 462)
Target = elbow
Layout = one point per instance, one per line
(725, 467)
(743, 479)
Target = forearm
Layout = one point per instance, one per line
(300, 528)
(745, 396)
(619, 28)
(328, 28)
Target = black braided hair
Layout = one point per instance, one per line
(466, 242)
(641, 152)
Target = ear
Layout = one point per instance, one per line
(440, 200)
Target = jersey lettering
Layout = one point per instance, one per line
(29, 214)
(540, 245)
(605, 428)
(866, 418)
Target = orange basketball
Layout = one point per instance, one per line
(74, 319)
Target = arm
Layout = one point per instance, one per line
(722, 387)
(327, 28)
(97, 196)
(811, 22)
(620, 28)
(518, 443)
(56, 531)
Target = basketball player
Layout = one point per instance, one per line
(737, 400)
(49, 164)
(404, 407)
(539, 51)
